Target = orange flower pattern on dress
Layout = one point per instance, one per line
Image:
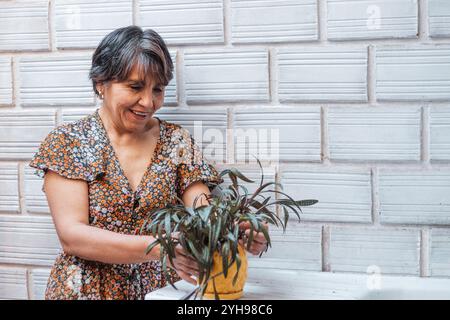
(82, 150)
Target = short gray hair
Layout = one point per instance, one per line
(124, 48)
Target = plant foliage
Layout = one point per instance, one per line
(205, 229)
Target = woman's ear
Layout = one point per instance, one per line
(101, 90)
(100, 87)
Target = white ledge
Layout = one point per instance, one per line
(275, 284)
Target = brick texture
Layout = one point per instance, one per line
(83, 24)
(5, 81)
(24, 25)
(372, 19)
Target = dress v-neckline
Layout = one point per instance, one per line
(116, 159)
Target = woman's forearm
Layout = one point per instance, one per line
(92, 243)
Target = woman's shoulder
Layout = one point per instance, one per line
(83, 131)
(171, 127)
(175, 132)
(179, 144)
(71, 149)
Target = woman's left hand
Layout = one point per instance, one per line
(259, 243)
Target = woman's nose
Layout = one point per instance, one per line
(146, 99)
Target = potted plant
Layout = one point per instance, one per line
(211, 233)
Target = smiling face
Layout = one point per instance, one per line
(130, 104)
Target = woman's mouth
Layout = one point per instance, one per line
(139, 115)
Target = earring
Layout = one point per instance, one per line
(101, 95)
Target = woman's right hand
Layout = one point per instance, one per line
(185, 266)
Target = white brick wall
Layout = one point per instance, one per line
(372, 19)
(9, 187)
(83, 23)
(322, 74)
(61, 80)
(298, 131)
(440, 133)
(344, 192)
(184, 21)
(359, 91)
(226, 75)
(439, 18)
(255, 21)
(374, 134)
(24, 25)
(5, 81)
(413, 72)
(393, 251)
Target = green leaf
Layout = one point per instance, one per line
(266, 236)
(225, 256)
(144, 225)
(238, 267)
(253, 221)
(217, 230)
(250, 237)
(259, 206)
(176, 219)
(230, 236)
(305, 203)
(234, 248)
(160, 232)
(262, 172)
(201, 276)
(245, 190)
(261, 188)
(199, 196)
(166, 272)
(228, 192)
(286, 218)
(205, 257)
(151, 246)
(233, 172)
(216, 295)
(194, 250)
(190, 211)
(204, 212)
(154, 229)
(270, 218)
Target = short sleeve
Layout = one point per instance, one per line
(64, 154)
(193, 167)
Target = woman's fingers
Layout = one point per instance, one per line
(189, 269)
(258, 245)
(183, 263)
(244, 225)
(187, 277)
(257, 236)
(185, 259)
(187, 265)
(175, 235)
(180, 251)
(185, 272)
(184, 255)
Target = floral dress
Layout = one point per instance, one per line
(82, 150)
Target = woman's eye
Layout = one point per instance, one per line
(139, 88)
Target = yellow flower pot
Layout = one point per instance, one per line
(224, 286)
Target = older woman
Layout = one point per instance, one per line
(106, 171)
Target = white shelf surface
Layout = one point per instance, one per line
(276, 284)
